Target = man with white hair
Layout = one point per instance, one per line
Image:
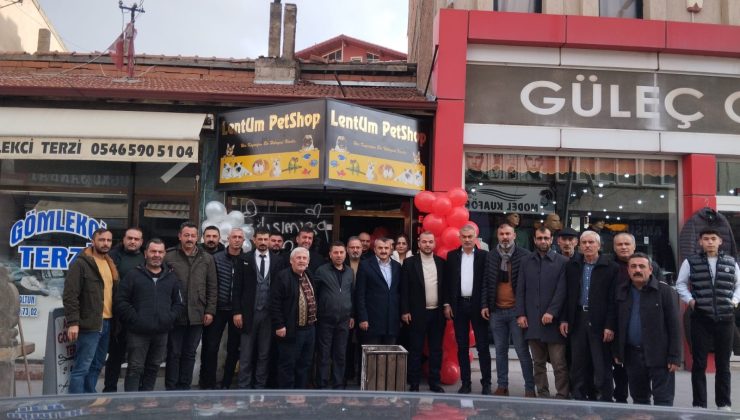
(591, 318)
(293, 314)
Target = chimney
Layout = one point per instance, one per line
(44, 42)
(289, 32)
(276, 17)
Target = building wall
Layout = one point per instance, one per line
(19, 28)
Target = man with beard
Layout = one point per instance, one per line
(365, 241)
(377, 295)
(88, 308)
(354, 252)
(197, 273)
(422, 295)
(212, 240)
(253, 275)
(226, 262)
(591, 318)
(649, 337)
(293, 315)
(540, 304)
(465, 267)
(305, 239)
(499, 304)
(148, 302)
(276, 243)
(567, 242)
(126, 256)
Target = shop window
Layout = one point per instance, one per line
(525, 6)
(728, 178)
(629, 194)
(621, 8)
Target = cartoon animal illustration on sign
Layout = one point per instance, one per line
(307, 143)
(386, 171)
(227, 172)
(259, 166)
(230, 149)
(405, 177)
(341, 144)
(417, 157)
(418, 179)
(276, 171)
(370, 173)
(241, 171)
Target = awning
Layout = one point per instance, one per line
(94, 209)
(167, 211)
(76, 134)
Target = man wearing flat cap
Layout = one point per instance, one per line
(567, 241)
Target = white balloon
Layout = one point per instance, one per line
(247, 246)
(225, 228)
(206, 223)
(248, 231)
(236, 218)
(215, 209)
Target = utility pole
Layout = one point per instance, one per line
(130, 33)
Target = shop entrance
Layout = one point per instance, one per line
(376, 223)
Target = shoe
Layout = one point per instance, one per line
(486, 390)
(502, 392)
(529, 394)
(414, 388)
(724, 408)
(464, 389)
(436, 388)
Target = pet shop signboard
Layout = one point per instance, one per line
(374, 147)
(272, 146)
(320, 143)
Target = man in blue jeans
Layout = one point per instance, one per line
(88, 308)
(498, 305)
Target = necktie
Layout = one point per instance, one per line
(262, 265)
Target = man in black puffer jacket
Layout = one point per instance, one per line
(148, 303)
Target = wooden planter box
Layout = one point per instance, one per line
(383, 368)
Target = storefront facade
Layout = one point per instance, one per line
(623, 120)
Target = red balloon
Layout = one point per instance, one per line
(477, 230)
(424, 200)
(451, 237)
(441, 250)
(450, 373)
(434, 223)
(441, 206)
(458, 217)
(471, 337)
(457, 196)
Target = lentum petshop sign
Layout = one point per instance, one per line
(321, 143)
(49, 257)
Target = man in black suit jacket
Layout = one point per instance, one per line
(305, 239)
(464, 277)
(251, 302)
(422, 295)
(377, 295)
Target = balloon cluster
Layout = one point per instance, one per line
(446, 215)
(216, 216)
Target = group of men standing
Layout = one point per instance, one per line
(606, 323)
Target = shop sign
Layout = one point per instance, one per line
(48, 257)
(320, 143)
(120, 150)
(509, 199)
(538, 96)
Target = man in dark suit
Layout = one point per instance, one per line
(251, 301)
(422, 295)
(464, 276)
(591, 318)
(377, 295)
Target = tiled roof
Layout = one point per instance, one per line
(204, 84)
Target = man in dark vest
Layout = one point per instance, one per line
(708, 282)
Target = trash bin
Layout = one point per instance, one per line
(383, 368)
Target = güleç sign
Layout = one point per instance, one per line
(320, 143)
(49, 257)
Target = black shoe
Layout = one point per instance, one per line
(436, 388)
(486, 390)
(414, 388)
(464, 389)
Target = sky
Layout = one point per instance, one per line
(223, 28)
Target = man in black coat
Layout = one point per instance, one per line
(648, 338)
(250, 305)
(499, 304)
(464, 277)
(540, 305)
(305, 238)
(378, 297)
(422, 295)
(591, 318)
(148, 302)
(293, 315)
